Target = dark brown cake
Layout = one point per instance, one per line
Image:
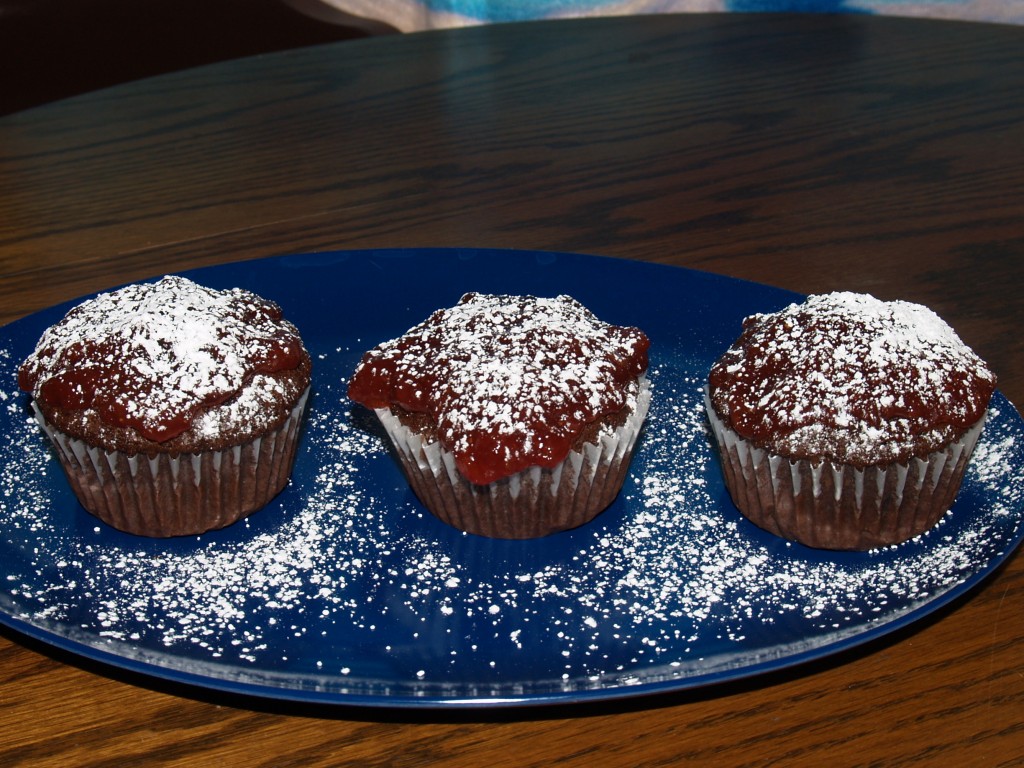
(513, 416)
(173, 408)
(845, 422)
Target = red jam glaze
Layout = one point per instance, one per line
(102, 355)
(509, 381)
(852, 364)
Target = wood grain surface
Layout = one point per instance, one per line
(812, 153)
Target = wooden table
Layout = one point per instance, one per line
(812, 153)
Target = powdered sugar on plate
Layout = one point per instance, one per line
(346, 587)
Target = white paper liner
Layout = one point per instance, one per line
(535, 502)
(838, 506)
(167, 495)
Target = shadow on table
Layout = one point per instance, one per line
(52, 49)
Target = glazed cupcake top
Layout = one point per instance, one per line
(157, 359)
(847, 377)
(509, 381)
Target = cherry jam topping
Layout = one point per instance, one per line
(509, 381)
(853, 372)
(153, 355)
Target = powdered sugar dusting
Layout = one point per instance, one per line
(349, 586)
(509, 381)
(151, 355)
(851, 378)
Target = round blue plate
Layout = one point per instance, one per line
(345, 590)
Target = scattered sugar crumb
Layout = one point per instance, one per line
(354, 588)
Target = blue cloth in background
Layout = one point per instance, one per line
(413, 15)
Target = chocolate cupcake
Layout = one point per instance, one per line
(174, 409)
(512, 416)
(845, 422)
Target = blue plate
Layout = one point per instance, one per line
(345, 590)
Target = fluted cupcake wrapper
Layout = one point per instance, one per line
(837, 506)
(167, 495)
(535, 502)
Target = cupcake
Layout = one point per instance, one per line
(174, 409)
(845, 422)
(513, 417)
